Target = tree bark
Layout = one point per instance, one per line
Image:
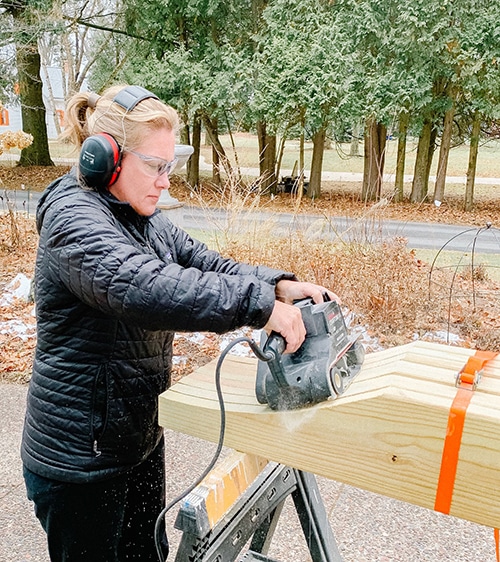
(419, 186)
(374, 160)
(218, 152)
(404, 121)
(215, 166)
(432, 148)
(267, 158)
(193, 164)
(52, 104)
(354, 147)
(32, 106)
(314, 190)
(471, 170)
(300, 183)
(281, 151)
(444, 153)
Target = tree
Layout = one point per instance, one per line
(422, 162)
(444, 151)
(471, 168)
(403, 123)
(26, 30)
(387, 75)
(479, 63)
(196, 52)
(298, 74)
(374, 147)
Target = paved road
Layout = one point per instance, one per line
(428, 235)
(419, 235)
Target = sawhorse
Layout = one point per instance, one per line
(208, 535)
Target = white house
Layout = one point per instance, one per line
(10, 117)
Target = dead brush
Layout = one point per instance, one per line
(17, 232)
(238, 223)
(384, 285)
(10, 236)
(9, 140)
(477, 272)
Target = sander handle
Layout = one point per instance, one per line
(273, 350)
(276, 344)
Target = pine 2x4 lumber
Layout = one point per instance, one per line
(384, 435)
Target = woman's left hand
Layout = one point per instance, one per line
(289, 291)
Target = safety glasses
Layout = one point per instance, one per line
(155, 166)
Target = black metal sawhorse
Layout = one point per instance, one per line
(254, 517)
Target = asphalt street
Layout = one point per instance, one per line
(425, 235)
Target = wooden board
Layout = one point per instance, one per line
(385, 434)
(220, 490)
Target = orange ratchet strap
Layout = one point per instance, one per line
(497, 543)
(466, 382)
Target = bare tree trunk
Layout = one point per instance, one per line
(193, 169)
(471, 170)
(267, 157)
(419, 186)
(432, 149)
(354, 148)
(444, 153)
(404, 121)
(235, 150)
(300, 185)
(215, 166)
(314, 190)
(55, 116)
(374, 160)
(281, 151)
(32, 106)
(219, 154)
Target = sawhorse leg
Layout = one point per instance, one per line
(313, 519)
(255, 516)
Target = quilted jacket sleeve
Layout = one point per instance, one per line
(174, 284)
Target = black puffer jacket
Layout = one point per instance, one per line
(111, 288)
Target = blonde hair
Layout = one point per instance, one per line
(88, 114)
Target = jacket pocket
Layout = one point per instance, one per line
(99, 411)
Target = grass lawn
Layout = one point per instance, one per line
(337, 158)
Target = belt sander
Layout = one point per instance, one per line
(322, 368)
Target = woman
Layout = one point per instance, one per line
(114, 280)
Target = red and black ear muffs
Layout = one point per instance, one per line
(100, 159)
(100, 156)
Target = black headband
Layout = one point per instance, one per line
(130, 96)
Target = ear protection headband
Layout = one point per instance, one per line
(100, 155)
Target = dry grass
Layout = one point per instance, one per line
(384, 285)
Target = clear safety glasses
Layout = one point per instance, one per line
(155, 166)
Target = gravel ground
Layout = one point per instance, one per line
(368, 527)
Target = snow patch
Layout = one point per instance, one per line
(18, 328)
(18, 288)
(442, 336)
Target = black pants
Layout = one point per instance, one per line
(108, 521)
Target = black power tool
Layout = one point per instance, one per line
(323, 367)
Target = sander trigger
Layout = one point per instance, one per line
(322, 368)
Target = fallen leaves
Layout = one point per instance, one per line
(385, 286)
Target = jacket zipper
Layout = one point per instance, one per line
(96, 450)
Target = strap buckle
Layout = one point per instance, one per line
(468, 381)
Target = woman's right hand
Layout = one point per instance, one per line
(286, 320)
